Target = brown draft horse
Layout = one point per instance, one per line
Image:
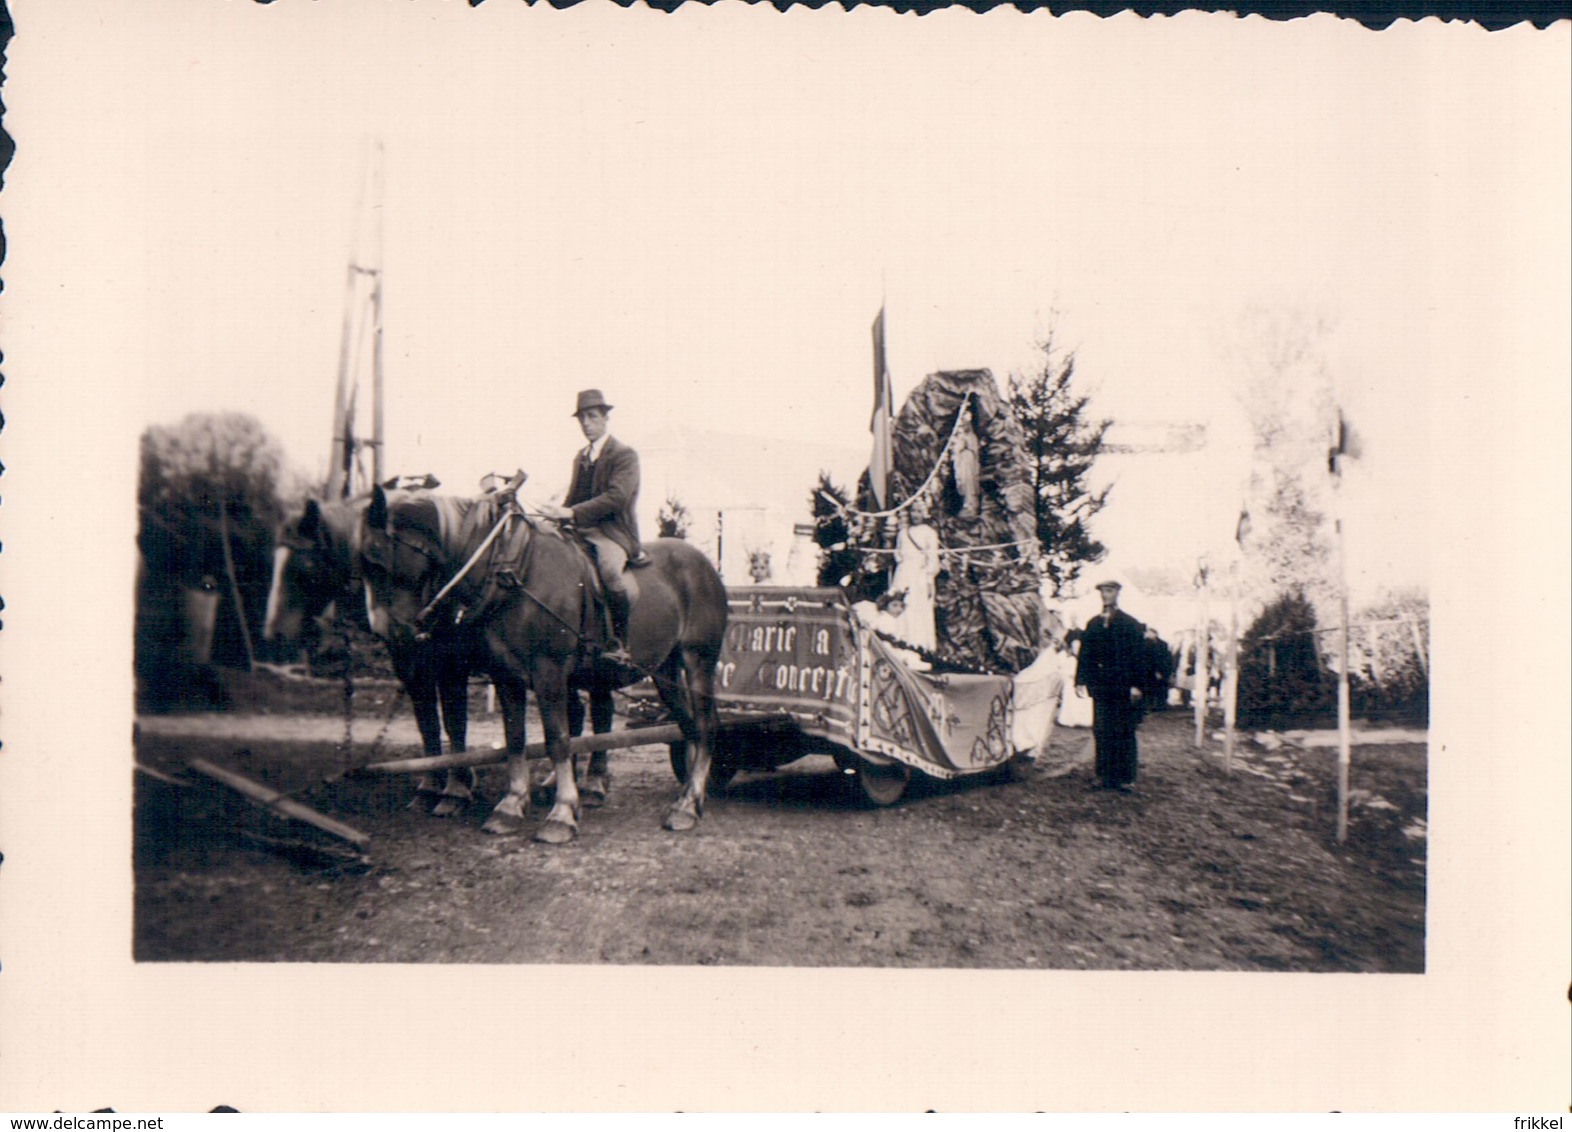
(539, 632)
(316, 563)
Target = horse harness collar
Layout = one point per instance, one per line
(511, 543)
(507, 567)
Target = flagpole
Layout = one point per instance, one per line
(881, 459)
(1231, 674)
(1231, 681)
(378, 437)
(1344, 737)
(1203, 647)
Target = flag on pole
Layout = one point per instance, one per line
(1344, 444)
(879, 464)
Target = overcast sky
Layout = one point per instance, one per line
(706, 233)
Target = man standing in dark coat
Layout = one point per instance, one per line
(1113, 668)
(600, 503)
(1159, 670)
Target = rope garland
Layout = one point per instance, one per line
(1016, 545)
(846, 509)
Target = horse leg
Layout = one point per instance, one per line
(420, 685)
(687, 687)
(550, 680)
(542, 779)
(508, 815)
(453, 687)
(597, 779)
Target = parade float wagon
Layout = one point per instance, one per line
(800, 674)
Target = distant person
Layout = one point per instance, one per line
(1112, 670)
(600, 503)
(1158, 667)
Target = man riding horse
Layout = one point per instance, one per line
(600, 504)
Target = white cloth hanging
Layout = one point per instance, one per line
(1075, 709)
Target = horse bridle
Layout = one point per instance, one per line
(380, 546)
(330, 581)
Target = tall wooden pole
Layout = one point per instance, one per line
(234, 585)
(1203, 649)
(1231, 673)
(362, 310)
(376, 379)
(377, 434)
(338, 460)
(1344, 737)
(1419, 645)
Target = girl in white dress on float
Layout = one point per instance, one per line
(916, 564)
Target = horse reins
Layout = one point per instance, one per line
(508, 514)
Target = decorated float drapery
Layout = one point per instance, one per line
(802, 653)
(960, 469)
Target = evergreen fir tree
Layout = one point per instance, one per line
(1062, 443)
(673, 521)
(1281, 682)
(838, 559)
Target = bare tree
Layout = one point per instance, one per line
(1286, 394)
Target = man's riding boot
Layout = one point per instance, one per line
(616, 650)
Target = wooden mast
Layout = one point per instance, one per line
(360, 314)
(376, 314)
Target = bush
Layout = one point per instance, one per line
(1281, 682)
(211, 479)
(1389, 679)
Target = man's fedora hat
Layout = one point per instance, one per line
(1110, 584)
(591, 399)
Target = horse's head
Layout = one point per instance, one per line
(402, 560)
(313, 565)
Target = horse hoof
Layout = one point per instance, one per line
(503, 825)
(556, 833)
(421, 803)
(595, 791)
(449, 807)
(680, 821)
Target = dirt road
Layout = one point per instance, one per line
(1199, 869)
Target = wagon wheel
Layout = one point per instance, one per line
(883, 784)
(722, 771)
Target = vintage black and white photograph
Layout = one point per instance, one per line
(847, 498)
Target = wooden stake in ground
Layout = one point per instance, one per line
(271, 800)
(1203, 659)
(1231, 671)
(234, 585)
(1339, 448)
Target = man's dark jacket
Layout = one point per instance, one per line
(603, 496)
(1113, 657)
